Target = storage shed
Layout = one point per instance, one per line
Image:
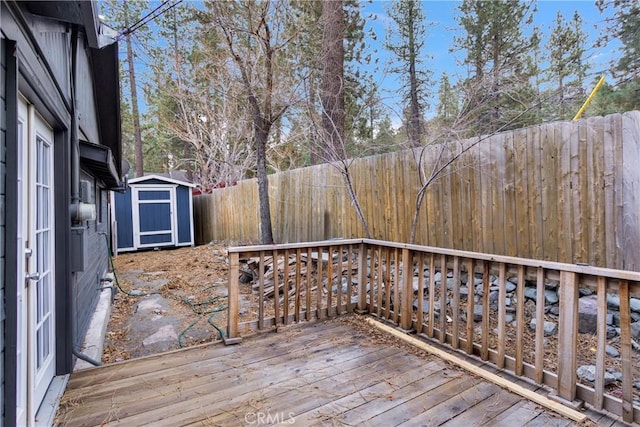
(154, 211)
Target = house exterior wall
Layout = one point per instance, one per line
(87, 284)
(88, 121)
(3, 180)
(41, 71)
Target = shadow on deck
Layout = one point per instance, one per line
(327, 373)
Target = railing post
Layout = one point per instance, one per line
(232, 303)
(567, 336)
(625, 351)
(406, 304)
(362, 279)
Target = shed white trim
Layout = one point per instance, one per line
(141, 179)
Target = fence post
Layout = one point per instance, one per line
(406, 303)
(362, 279)
(232, 303)
(567, 336)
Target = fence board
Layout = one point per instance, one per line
(560, 191)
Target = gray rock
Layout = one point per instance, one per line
(464, 292)
(493, 297)
(588, 314)
(611, 332)
(477, 313)
(609, 319)
(616, 317)
(551, 297)
(555, 310)
(511, 287)
(513, 280)
(584, 292)
(611, 351)
(508, 318)
(425, 305)
(550, 284)
(588, 373)
(634, 303)
(464, 277)
(617, 376)
(164, 334)
(613, 301)
(530, 293)
(637, 385)
(438, 276)
(477, 281)
(415, 284)
(550, 328)
(451, 283)
(343, 288)
(635, 330)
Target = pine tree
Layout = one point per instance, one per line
(448, 107)
(332, 86)
(406, 43)
(625, 27)
(498, 92)
(121, 14)
(567, 70)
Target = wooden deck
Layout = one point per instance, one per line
(327, 373)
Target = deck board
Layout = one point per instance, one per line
(326, 373)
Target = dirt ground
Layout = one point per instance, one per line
(193, 282)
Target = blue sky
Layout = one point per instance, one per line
(440, 32)
(442, 28)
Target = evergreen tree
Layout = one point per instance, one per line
(406, 43)
(625, 27)
(448, 107)
(567, 70)
(498, 92)
(121, 14)
(332, 87)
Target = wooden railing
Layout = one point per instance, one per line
(479, 304)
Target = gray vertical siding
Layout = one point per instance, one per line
(87, 282)
(3, 186)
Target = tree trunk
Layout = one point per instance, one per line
(332, 86)
(261, 134)
(415, 120)
(137, 133)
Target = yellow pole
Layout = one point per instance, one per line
(589, 98)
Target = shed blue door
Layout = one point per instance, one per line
(154, 216)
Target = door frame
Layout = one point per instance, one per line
(135, 208)
(37, 142)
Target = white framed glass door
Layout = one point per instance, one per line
(36, 305)
(41, 288)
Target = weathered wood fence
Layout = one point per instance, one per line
(458, 299)
(566, 191)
